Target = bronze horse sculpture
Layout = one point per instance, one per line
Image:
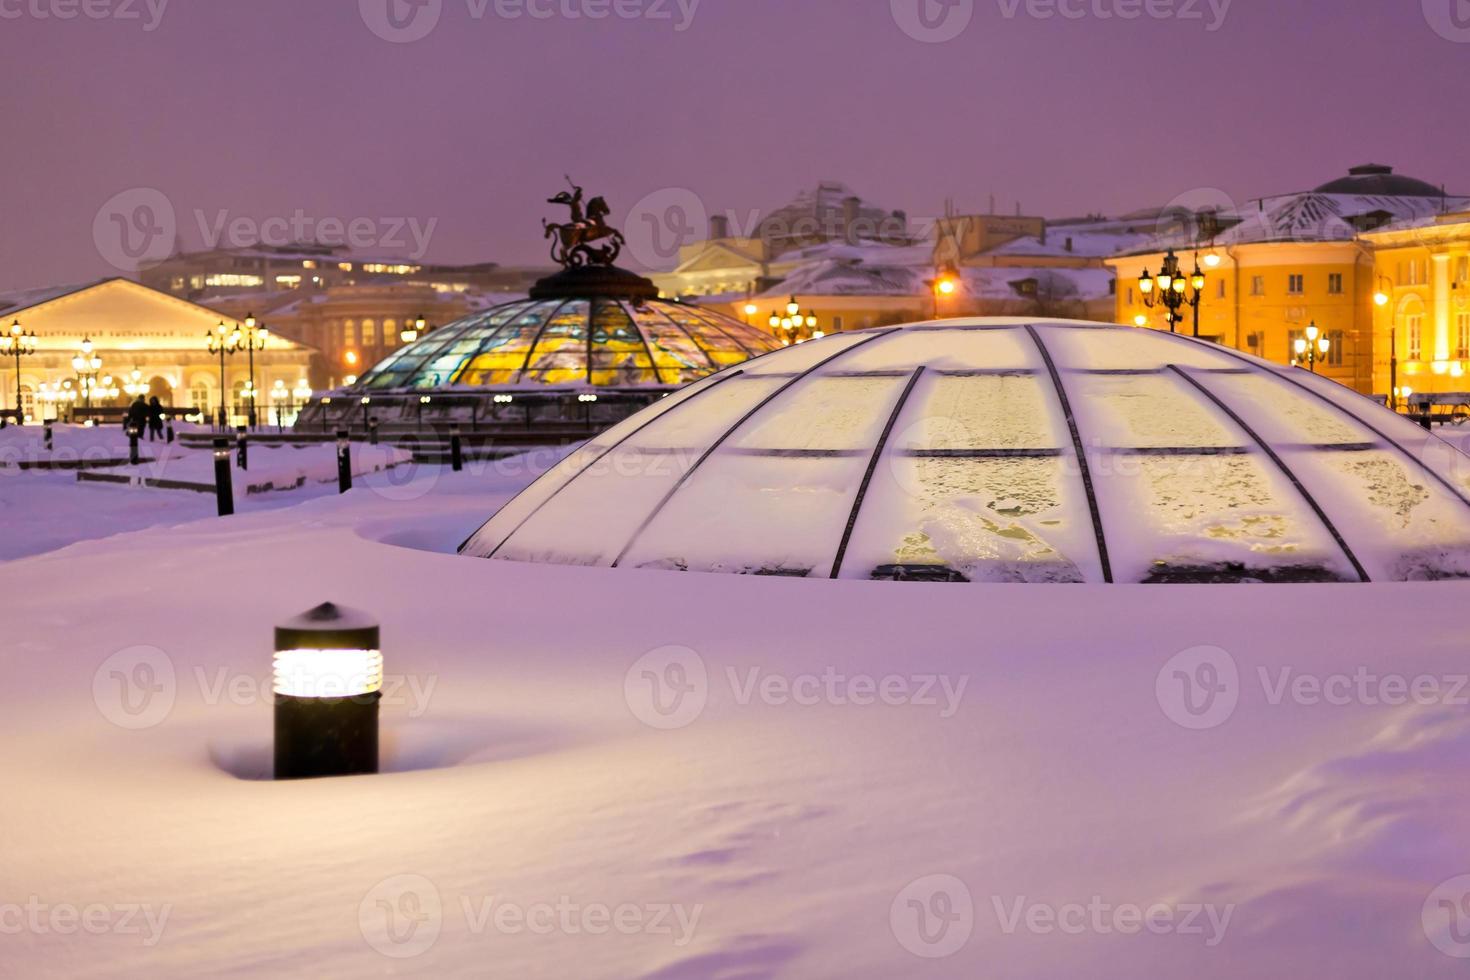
(571, 245)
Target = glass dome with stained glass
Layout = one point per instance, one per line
(1006, 450)
(572, 341)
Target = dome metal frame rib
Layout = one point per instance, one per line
(1407, 554)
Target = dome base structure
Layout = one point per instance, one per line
(1006, 451)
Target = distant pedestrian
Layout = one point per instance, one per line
(155, 419)
(137, 417)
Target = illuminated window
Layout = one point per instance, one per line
(369, 333)
(290, 282)
(1334, 353)
(1334, 283)
(345, 266)
(349, 334)
(396, 270)
(233, 279)
(1296, 284)
(308, 264)
(1462, 269)
(1462, 336)
(1415, 325)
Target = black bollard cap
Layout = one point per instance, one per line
(328, 627)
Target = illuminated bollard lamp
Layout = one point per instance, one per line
(328, 682)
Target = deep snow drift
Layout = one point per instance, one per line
(597, 773)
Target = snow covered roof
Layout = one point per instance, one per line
(544, 343)
(1005, 450)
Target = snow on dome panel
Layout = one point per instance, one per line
(573, 341)
(1006, 451)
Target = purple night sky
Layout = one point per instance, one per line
(261, 108)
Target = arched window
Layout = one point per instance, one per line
(369, 333)
(349, 334)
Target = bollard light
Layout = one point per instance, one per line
(328, 682)
(224, 491)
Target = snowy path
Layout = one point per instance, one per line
(1027, 799)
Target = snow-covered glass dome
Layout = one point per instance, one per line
(535, 344)
(1001, 450)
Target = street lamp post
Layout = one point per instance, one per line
(944, 285)
(1381, 297)
(1173, 290)
(1311, 348)
(18, 342)
(255, 338)
(87, 366)
(413, 329)
(223, 341)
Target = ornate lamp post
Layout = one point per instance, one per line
(1173, 290)
(413, 329)
(223, 340)
(794, 327)
(1311, 348)
(1381, 297)
(255, 338)
(87, 365)
(18, 342)
(134, 385)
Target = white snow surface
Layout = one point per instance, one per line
(526, 799)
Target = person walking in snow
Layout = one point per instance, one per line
(155, 419)
(137, 417)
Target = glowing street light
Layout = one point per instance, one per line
(328, 682)
(1311, 348)
(87, 366)
(412, 329)
(1173, 290)
(18, 343)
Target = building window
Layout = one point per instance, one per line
(1258, 285)
(1334, 353)
(1112, 287)
(1334, 283)
(1130, 295)
(369, 333)
(1415, 330)
(1220, 289)
(1462, 336)
(349, 334)
(1462, 269)
(1296, 284)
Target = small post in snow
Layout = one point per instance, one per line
(328, 682)
(373, 431)
(242, 443)
(344, 462)
(132, 445)
(46, 426)
(224, 491)
(456, 449)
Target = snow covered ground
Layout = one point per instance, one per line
(617, 773)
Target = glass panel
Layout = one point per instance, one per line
(717, 335)
(1401, 525)
(591, 520)
(699, 425)
(947, 350)
(1005, 411)
(1104, 348)
(553, 480)
(1209, 518)
(1282, 413)
(769, 515)
(823, 413)
(803, 357)
(560, 356)
(991, 520)
(1153, 411)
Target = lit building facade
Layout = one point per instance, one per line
(1278, 267)
(147, 343)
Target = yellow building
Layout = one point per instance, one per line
(1421, 301)
(1277, 267)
